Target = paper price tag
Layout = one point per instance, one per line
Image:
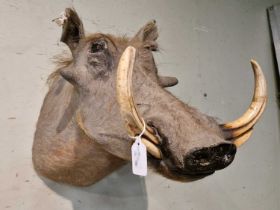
(139, 157)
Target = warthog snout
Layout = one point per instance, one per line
(208, 159)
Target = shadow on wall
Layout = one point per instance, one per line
(121, 190)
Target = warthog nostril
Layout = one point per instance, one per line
(209, 159)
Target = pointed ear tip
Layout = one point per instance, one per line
(153, 22)
(70, 9)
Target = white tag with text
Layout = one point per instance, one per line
(139, 157)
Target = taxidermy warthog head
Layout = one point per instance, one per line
(100, 96)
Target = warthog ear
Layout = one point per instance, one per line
(72, 28)
(148, 34)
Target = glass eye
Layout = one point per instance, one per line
(98, 46)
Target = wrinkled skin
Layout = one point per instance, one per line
(80, 135)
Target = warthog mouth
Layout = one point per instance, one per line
(236, 132)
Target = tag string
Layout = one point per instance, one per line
(141, 134)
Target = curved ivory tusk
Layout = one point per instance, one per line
(240, 131)
(125, 98)
(242, 139)
(258, 101)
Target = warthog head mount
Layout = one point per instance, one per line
(107, 91)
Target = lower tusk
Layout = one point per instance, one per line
(152, 149)
(242, 139)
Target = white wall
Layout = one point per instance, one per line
(206, 44)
